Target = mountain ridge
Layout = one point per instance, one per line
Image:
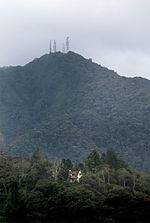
(75, 105)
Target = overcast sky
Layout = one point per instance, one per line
(114, 33)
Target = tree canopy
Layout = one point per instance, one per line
(66, 105)
(93, 160)
(41, 192)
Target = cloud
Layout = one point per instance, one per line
(114, 33)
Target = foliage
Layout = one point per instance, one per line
(63, 168)
(66, 105)
(93, 160)
(113, 160)
(30, 192)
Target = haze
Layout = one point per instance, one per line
(114, 33)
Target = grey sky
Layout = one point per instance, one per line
(115, 33)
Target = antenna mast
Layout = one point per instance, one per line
(54, 46)
(50, 46)
(63, 48)
(67, 44)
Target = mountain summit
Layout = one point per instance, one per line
(67, 106)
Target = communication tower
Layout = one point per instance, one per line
(63, 48)
(54, 46)
(50, 46)
(67, 44)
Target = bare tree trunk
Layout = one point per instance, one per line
(124, 183)
(133, 182)
(5, 188)
(108, 175)
(103, 177)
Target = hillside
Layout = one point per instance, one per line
(35, 190)
(67, 105)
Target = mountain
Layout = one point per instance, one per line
(67, 106)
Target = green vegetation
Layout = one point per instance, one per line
(66, 105)
(35, 190)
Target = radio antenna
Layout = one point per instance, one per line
(54, 46)
(67, 44)
(63, 48)
(50, 46)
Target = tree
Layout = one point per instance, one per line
(78, 167)
(113, 160)
(93, 160)
(63, 169)
(36, 156)
(124, 177)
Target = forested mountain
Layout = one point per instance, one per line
(67, 105)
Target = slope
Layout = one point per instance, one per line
(67, 105)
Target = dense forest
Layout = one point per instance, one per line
(66, 105)
(38, 190)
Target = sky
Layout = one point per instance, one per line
(114, 33)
